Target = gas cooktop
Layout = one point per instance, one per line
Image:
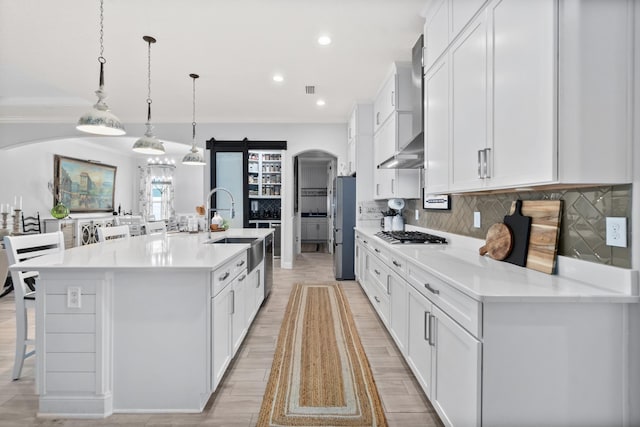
(410, 237)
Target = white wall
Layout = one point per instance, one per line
(25, 171)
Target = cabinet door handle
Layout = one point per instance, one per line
(392, 185)
(393, 98)
(377, 189)
(377, 299)
(378, 118)
(427, 328)
(432, 290)
(233, 302)
(486, 162)
(480, 164)
(396, 263)
(224, 276)
(240, 264)
(388, 285)
(244, 276)
(377, 272)
(377, 250)
(365, 242)
(432, 326)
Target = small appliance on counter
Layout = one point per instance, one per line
(397, 221)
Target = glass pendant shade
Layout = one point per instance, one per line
(194, 157)
(148, 144)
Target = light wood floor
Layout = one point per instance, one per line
(237, 401)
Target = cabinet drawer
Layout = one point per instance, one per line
(393, 261)
(378, 274)
(222, 276)
(460, 307)
(380, 302)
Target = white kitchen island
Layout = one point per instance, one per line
(157, 321)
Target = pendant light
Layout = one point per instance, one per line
(100, 120)
(148, 144)
(194, 157)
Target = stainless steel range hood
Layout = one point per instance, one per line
(412, 155)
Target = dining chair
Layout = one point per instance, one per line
(134, 222)
(31, 224)
(113, 233)
(155, 227)
(22, 248)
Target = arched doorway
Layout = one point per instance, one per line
(314, 171)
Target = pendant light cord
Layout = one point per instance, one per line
(193, 123)
(101, 58)
(149, 82)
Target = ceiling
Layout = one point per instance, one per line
(49, 49)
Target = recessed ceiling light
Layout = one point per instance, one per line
(278, 78)
(324, 40)
(320, 103)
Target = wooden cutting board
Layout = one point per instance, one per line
(499, 242)
(520, 226)
(544, 234)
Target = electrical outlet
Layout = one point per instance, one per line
(74, 297)
(417, 214)
(617, 231)
(476, 220)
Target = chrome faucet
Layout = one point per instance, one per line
(233, 211)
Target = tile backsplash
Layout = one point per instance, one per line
(582, 228)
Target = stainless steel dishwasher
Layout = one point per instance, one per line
(268, 264)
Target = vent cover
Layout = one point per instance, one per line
(310, 90)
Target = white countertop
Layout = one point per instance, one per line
(165, 251)
(488, 280)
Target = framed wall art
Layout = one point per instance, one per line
(83, 185)
(436, 201)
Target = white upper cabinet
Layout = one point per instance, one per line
(394, 95)
(436, 127)
(524, 101)
(436, 32)
(468, 67)
(445, 19)
(461, 13)
(538, 94)
(359, 137)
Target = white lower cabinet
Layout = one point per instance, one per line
(505, 362)
(419, 352)
(398, 317)
(221, 347)
(238, 310)
(456, 368)
(446, 360)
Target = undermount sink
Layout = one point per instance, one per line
(234, 240)
(255, 252)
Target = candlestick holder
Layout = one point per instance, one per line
(4, 231)
(16, 221)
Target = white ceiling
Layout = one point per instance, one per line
(49, 50)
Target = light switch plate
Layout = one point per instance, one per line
(476, 220)
(617, 231)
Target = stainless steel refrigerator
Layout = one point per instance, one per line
(344, 217)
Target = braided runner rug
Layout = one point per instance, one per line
(320, 374)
